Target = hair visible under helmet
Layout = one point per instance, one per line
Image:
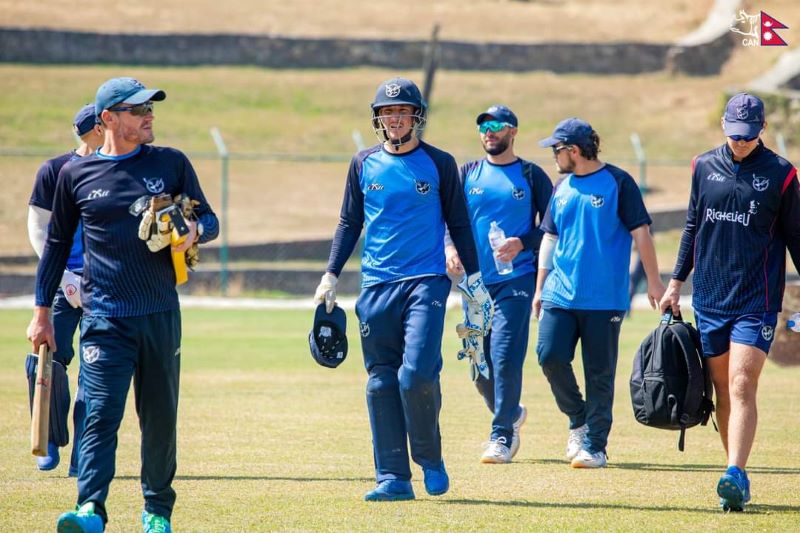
(399, 91)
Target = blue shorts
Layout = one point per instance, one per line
(718, 331)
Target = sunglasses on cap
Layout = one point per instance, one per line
(138, 110)
(493, 125)
(742, 138)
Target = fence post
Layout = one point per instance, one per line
(780, 140)
(223, 249)
(636, 141)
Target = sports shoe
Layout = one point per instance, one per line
(49, 461)
(575, 441)
(390, 490)
(733, 489)
(587, 459)
(437, 482)
(515, 442)
(496, 452)
(153, 523)
(81, 520)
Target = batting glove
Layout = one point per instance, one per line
(71, 286)
(326, 291)
(473, 349)
(477, 304)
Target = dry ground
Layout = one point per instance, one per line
(473, 20)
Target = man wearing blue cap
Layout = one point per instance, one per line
(404, 192)
(744, 212)
(511, 193)
(582, 284)
(67, 303)
(131, 326)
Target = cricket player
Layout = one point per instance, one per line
(744, 212)
(131, 326)
(67, 303)
(582, 283)
(403, 192)
(514, 193)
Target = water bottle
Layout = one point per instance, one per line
(497, 238)
(794, 323)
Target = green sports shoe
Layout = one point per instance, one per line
(153, 523)
(81, 520)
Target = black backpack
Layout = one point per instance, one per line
(670, 385)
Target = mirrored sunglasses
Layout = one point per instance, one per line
(743, 138)
(557, 149)
(493, 125)
(138, 110)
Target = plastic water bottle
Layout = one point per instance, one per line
(794, 323)
(497, 238)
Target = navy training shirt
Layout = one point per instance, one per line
(513, 195)
(403, 201)
(44, 188)
(121, 276)
(741, 218)
(593, 216)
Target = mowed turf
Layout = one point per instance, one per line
(269, 441)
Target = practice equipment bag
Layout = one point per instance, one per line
(670, 384)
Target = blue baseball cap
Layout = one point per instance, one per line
(85, 119)
(499, 113)
(328, 337)
(570, 131)
(128, 90)
(744, 115)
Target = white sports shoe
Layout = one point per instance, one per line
(496, 452)
(515, 442)
(575, 441)
(586, 459)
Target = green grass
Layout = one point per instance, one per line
(268, 441)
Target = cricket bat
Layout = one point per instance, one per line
(40, 419)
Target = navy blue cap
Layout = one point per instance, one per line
(328, 337)
(128, 90)
(500, 113)
(570, 131)
(85, 119)
(744, 115)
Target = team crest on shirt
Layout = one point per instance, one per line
(760, 183)
(363, 327)
(517, 194)
(597, 200)
(375, 187)
(423, 187)
(91, 353)
(767, 331)
(154, 185)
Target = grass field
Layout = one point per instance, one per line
(268, 441)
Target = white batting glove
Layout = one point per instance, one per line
(326, 291)
(473, 350)
(71, 286)
(477, 304)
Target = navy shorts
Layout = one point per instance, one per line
(718, 331)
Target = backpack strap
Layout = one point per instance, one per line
(697, 379)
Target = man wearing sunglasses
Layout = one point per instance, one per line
(514, 193)
(582, 283)
(67, 303)
(131, 326)
(744, 212)
(403, 192)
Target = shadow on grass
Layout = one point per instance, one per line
(751, 509)
(257, 478)
(650, 467)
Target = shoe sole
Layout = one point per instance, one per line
(577, 464)
(68, 526)
(437, 492)
(494, 461)
(731, 497)
(389, 498)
